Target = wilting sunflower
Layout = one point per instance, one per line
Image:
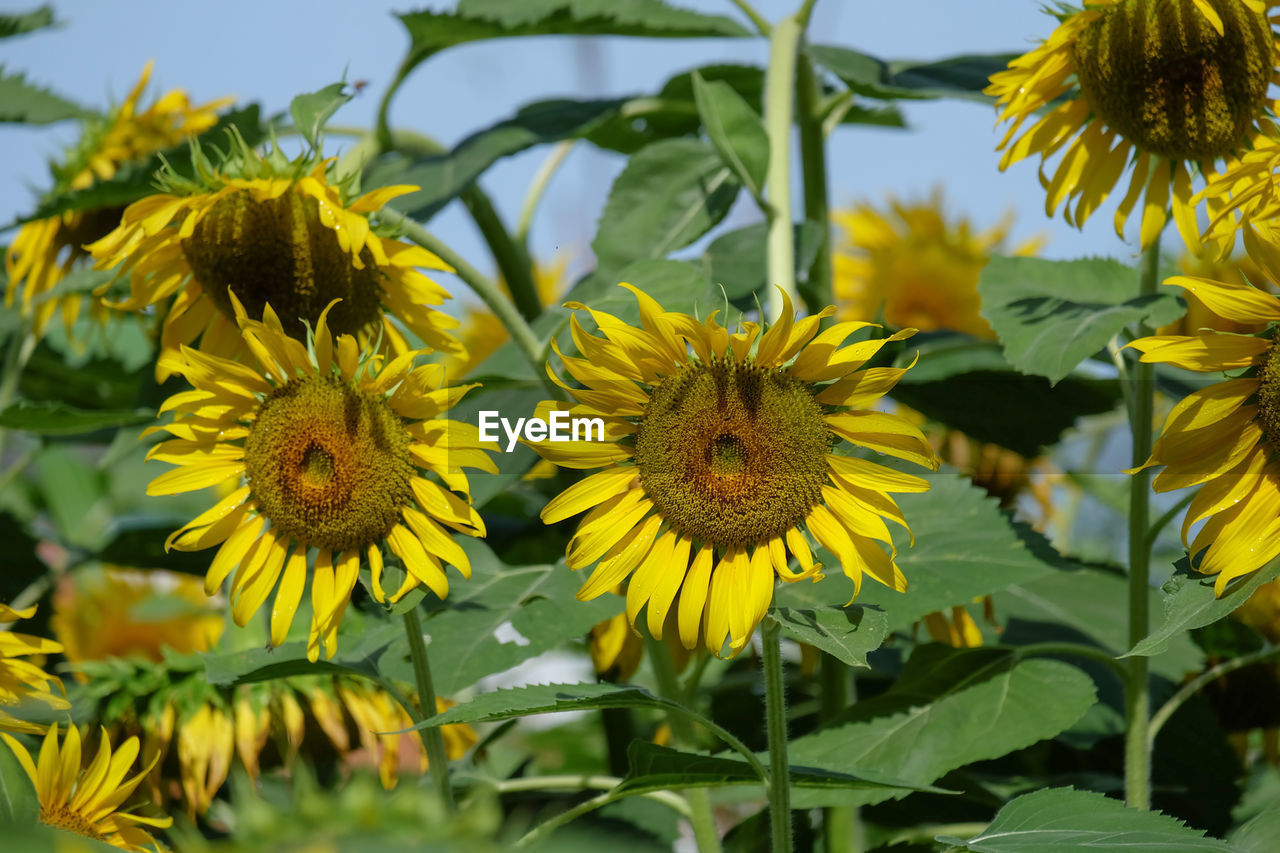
(335, 453)
(21, 681)
(916, 266)
(714, 462)
(87, 800)
(44, 251)
(1224, 437)
(1145, 86)
(118, 612)
(288, 233)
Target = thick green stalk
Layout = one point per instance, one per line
(1137, 694)
(779, 94)
(432, 737)
(840, 828)
(816, 290)
(701, 817)
(775, 710)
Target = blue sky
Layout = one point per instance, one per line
(271, 51)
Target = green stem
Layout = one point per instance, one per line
(538, 187)
(839, 823)
(511, 257)
(488, 292)
(757, 20)
(701, 817)
(775, 710)
(779, 94)
(21, 345)
(383, 130)
(1163, 521)
(550, 825)
(1160, 717)
(432, 737)
(1079, 650)
(1137, 699)
(813, 160)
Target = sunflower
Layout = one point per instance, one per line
(44, 251)
(22, 681)
(714, 461)
(86, 800)
(1237, 270)
(272, 231)
(334, 451)
(1148, 86)
(916, 265)
(119, 612)
(1224, 437)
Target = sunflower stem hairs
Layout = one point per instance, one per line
(44, 251)
(21, 681)
(335, 452)
(265, 229)
(1224, 438)
(87, 801)
(1149, 86)
(715, 460)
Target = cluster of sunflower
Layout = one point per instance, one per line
(318, 377)
(318, 408)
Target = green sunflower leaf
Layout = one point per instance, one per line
(73, 492)
(736, 259)
(507, 704)
(312, 110)
(954, 77)
(670, 194)
(502, 616)
(735, 129)
(26, 22)
(950, 707)
(1062, 819)
(53, 418)
(1189, 602)
(475, 20)
(26, 103)
(442, 176)
(846, 633)
(356, 656)
(1258, 834)
(1052, 315)
(657, 768)
(18, 803)
(959, 381)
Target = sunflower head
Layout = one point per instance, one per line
(1184, 79)
(718, 454)
(916, 266)
(260, 229)
(328, 453)
(1224, 437)
(83, 800)
(1140, 85)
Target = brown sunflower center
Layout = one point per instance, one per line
(62, 816)
(279, 252)
(1159, 73)
(1269, 398)
(732, 454)
(328, 465)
